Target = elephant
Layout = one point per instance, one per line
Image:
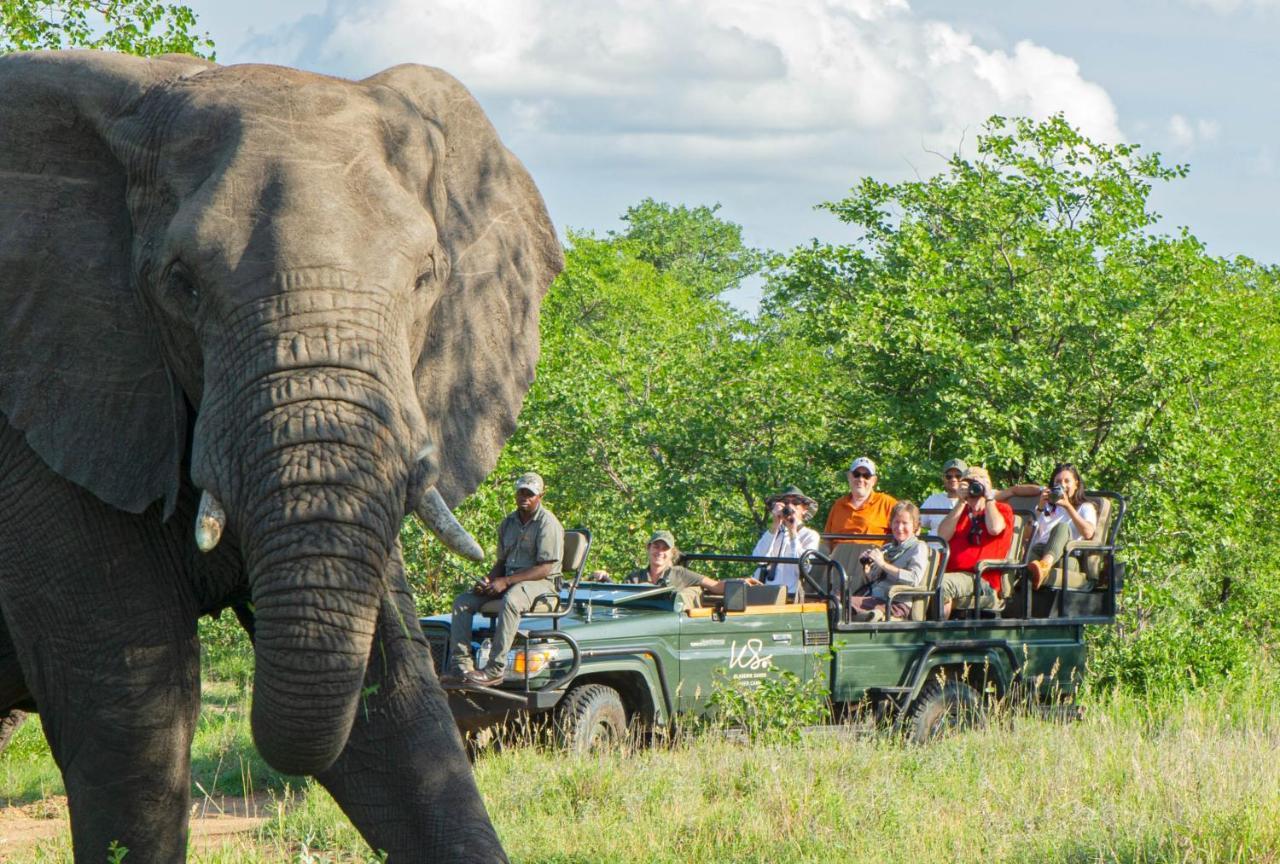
(250, 318)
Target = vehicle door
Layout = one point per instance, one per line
(738, 647)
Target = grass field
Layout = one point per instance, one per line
(1188, 778)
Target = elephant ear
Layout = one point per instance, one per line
(81, 373)
(482, 344)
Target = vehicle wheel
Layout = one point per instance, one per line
(591, 717)
(943, 707)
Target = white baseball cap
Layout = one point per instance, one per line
(863, 462)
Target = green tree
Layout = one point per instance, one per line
(1018, 309)
(142, 27)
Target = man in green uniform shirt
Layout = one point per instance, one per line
(662, 571)
(530, 546)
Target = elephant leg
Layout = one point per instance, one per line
(403, 778)
(103, 626)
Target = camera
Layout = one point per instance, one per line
(865, 558)
(1055, 493)
(788, 511)
(977, 489)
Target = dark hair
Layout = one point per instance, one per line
(1077, 498)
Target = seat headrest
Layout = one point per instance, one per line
(575, 550)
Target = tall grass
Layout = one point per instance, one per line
(1184, 777)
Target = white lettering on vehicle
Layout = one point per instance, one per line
(750, 657)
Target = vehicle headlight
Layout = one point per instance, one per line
(535, 658)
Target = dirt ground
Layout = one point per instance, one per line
(213, 822)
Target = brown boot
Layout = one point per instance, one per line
(1038, 571)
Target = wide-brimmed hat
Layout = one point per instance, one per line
(792, 491)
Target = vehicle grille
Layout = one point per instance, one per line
(439, 652)
(817, 637)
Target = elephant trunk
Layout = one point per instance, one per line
(311, 454)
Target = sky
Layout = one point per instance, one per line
(769, 107)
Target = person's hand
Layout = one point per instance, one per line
(1044, 496)
(750, 580)
(876, 556)
(499, 585)
(482, 587)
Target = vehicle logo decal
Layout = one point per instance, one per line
(707, 643)
(750, 657)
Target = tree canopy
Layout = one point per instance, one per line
(143, 27)
(1019, 308)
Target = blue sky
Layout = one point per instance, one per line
(768, 107)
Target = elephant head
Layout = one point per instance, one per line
(314, 300)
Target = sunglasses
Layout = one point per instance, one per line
(954, 476)
(862, 475)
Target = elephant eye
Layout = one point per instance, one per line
(181, 287)
(434, 271)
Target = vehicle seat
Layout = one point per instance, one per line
(921, 597)
(738, 595)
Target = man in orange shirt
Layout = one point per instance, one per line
(863, 510)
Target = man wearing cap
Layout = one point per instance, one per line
(863, 510)
(662, 570)
(530, 546)
(942, 502)
(978, 528)
(787, 537)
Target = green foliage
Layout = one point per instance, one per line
(775, 709)
(1017, 309)
(143, 27)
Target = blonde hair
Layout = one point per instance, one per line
(908, 507)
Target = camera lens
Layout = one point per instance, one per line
(788, 511)
(976, 489)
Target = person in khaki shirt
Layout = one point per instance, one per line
(530, 546)
(663, 571)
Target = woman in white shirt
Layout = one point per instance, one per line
(786, 538)
(1062, 515)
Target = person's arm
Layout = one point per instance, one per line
(1082, 523)
(1019, 490)
(994, 518)
(541, 570)
(947, 529)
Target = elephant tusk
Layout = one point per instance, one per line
(210, 520)
(440, 519)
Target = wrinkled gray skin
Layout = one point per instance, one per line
(283, 289)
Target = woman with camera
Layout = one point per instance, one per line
(1062, 515)
(786, 538)
(901, 562)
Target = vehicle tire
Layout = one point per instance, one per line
(943, 707)
(591, 717)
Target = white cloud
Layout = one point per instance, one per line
(764, 78)
(1187, 133)
(1228, 7)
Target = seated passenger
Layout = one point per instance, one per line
(530, 546)
(787, 538)
(662, 570)
(1062, 515)
(978, 528)
(902, 562)
(952, 473)
(863, 510)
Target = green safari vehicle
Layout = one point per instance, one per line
(600, 657)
